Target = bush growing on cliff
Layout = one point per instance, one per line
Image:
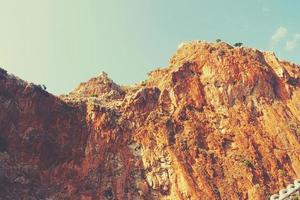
(294, 198)
(94, 95)
(41, 89)
(218, 40)
(282, 172)
(247, 163)
(3, 71)
(238, 44)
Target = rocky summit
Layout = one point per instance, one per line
(219, 122)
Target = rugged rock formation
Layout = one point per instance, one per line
(217, 123)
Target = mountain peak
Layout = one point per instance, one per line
(98, 87)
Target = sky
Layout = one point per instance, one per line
(61, 43)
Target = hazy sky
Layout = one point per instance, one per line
(60, 43)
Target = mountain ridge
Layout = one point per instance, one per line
(219, 122)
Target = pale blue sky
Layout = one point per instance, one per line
(60, 43)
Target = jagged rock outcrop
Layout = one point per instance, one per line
(217, 123)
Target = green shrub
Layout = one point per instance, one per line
(247, 163)
(3, 71)
(294, 197)
(282, 172)
(238, 44)
(40, 89)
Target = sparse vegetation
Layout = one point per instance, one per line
(40, 88)
(3, 71)
(282, 172)
(247, 163)
(218, 40)
(44, 87)
(238, 44)
(294, 197)
(94, 95)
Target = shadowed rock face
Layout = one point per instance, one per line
(217, 123)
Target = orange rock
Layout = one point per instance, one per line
(217, 123)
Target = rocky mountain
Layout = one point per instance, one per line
(219, 122)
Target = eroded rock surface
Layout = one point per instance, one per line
(217, 123)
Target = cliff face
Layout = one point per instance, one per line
(217, 123)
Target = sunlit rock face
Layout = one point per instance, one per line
(217, 123)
